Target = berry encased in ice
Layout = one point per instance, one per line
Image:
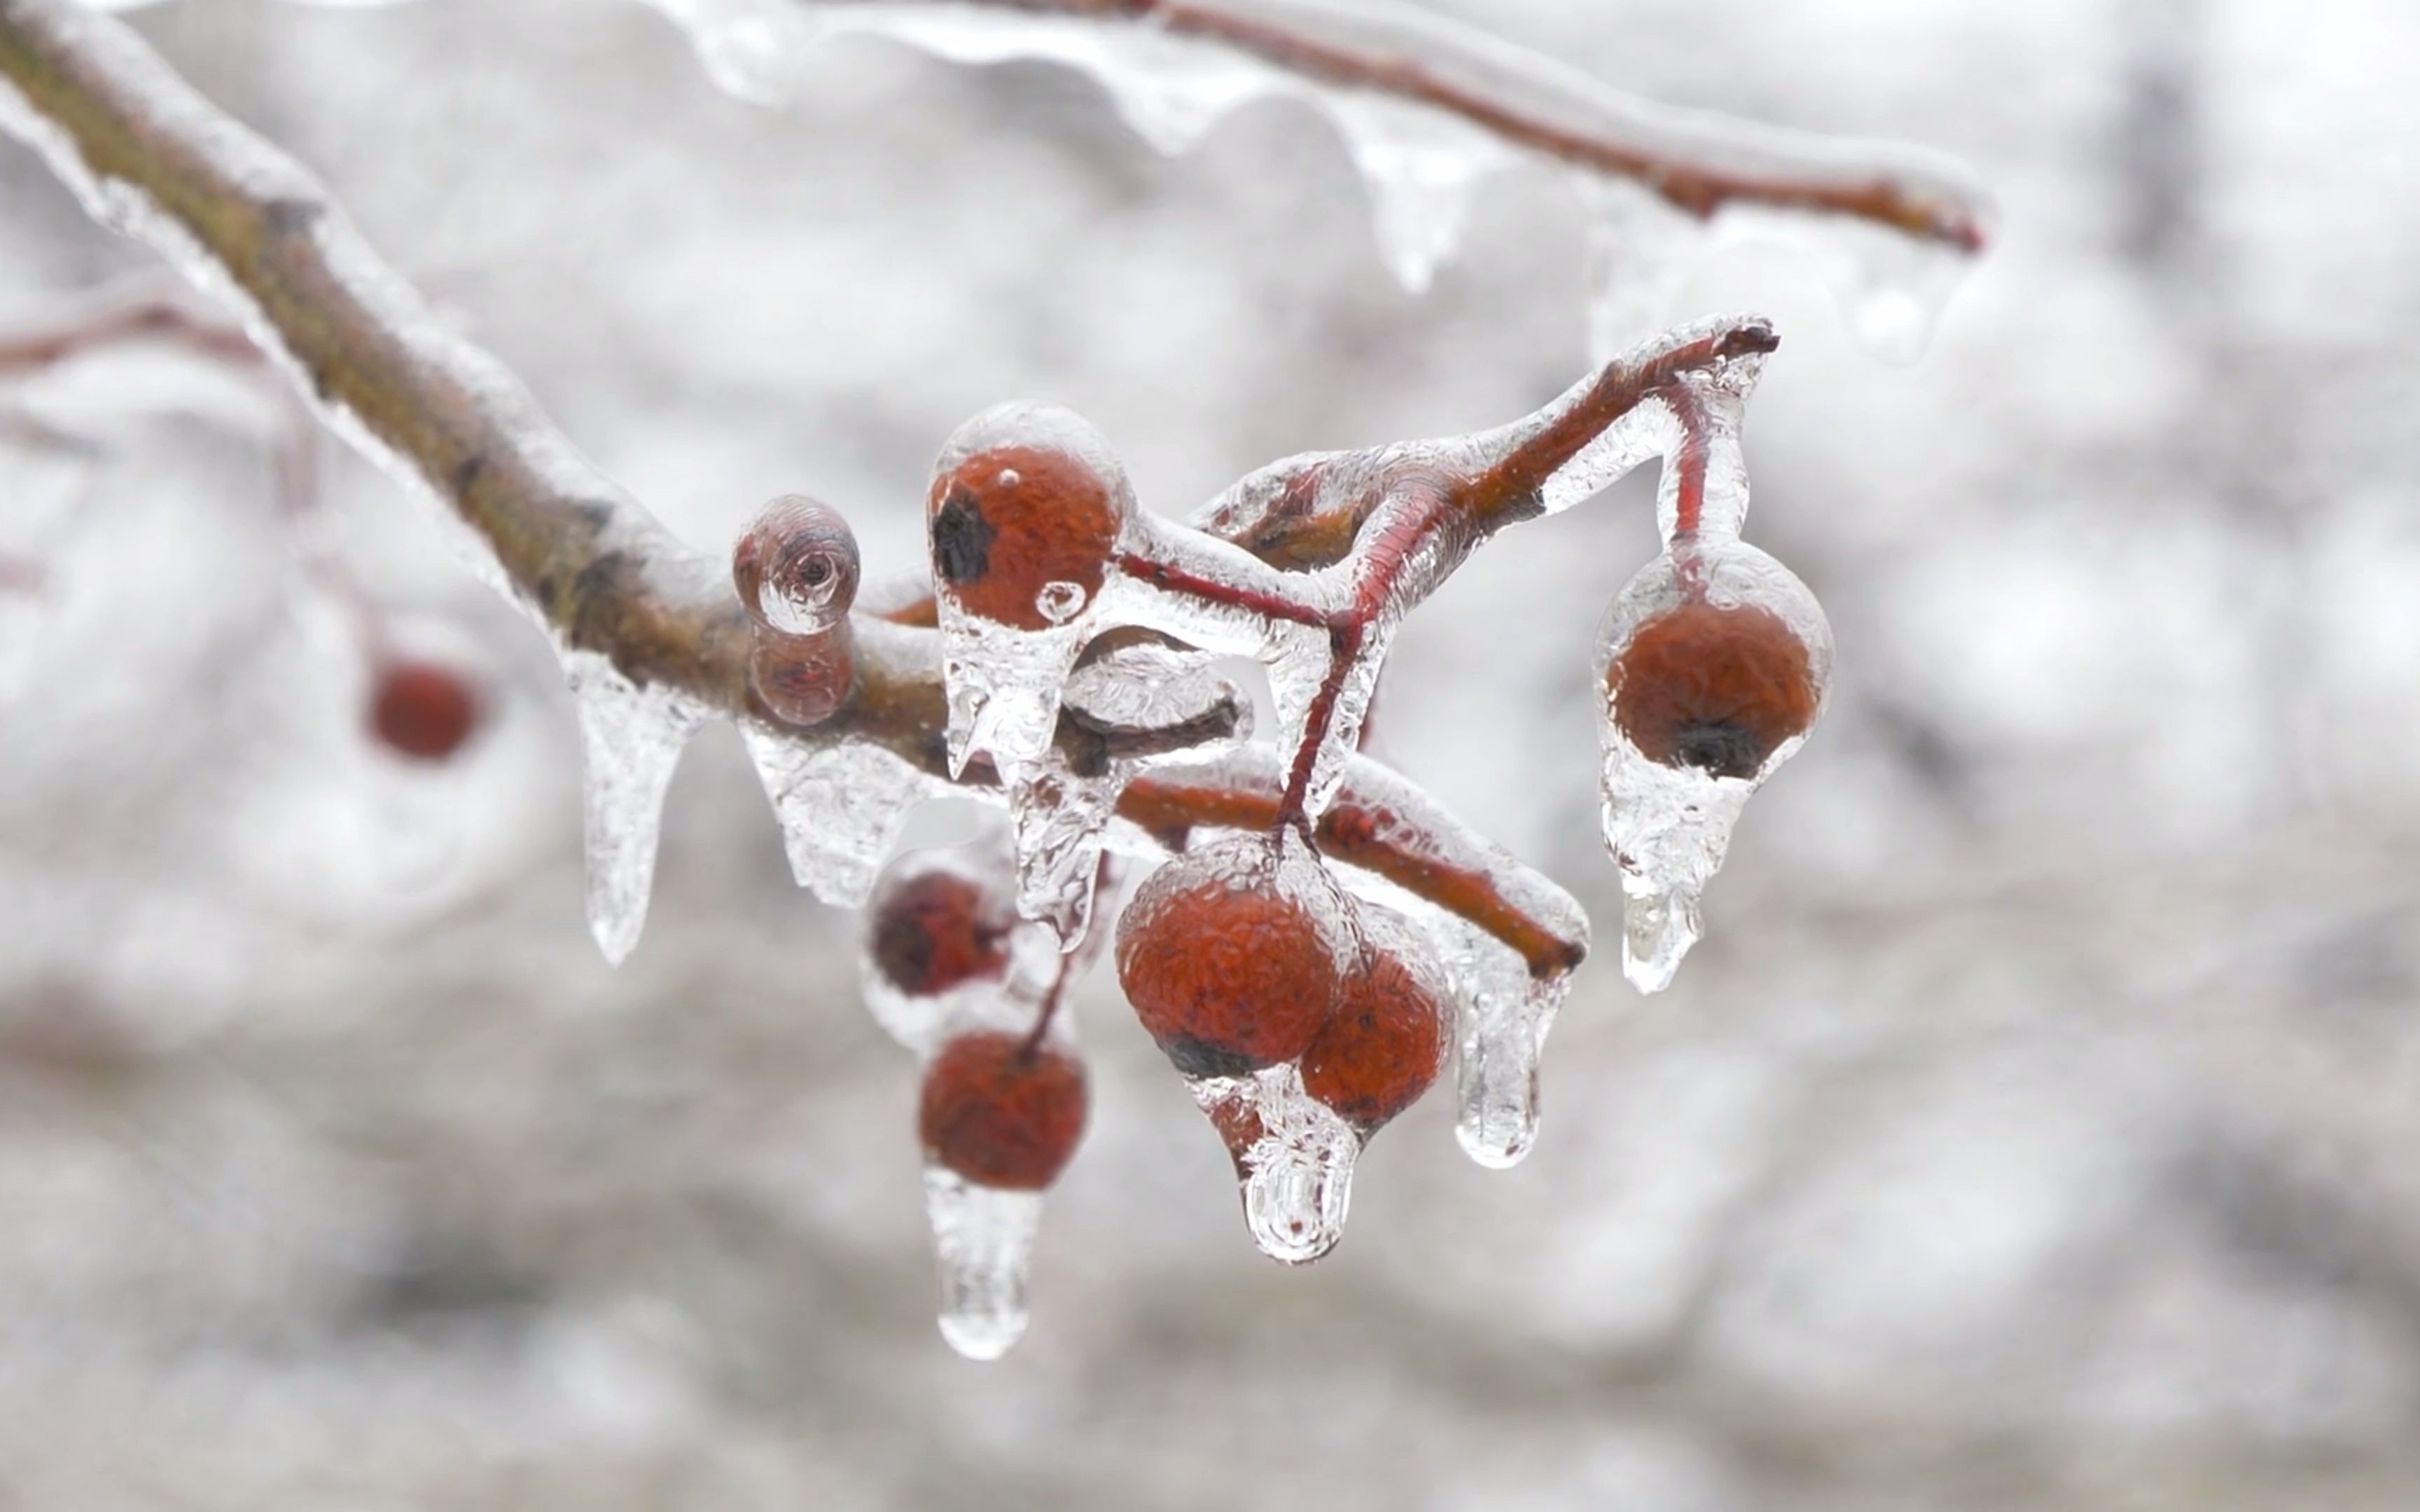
(422, 709)
(936, 930)
(796, 566)
(1715, 687)
(1010, 520)
(1001, 1111)
(1233, 954)
(1389, 1037)
(804, 679)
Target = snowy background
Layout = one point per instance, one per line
(2032, 1130)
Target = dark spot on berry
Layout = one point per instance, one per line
(1198, 1057)
(1719, 747)
(961, 538)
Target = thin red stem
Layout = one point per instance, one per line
(1178, 580)
(1689, 461)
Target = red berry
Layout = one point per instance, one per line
(1717, 688)
(422, 710)
(1233, 955)
(796, 568)
(1389, 1036)
(804, 679)
(1006, 520)
(1000, 1112)
(1239, 1128)
(936, 930)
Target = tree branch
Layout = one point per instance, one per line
(150, 157)
(1698, 164)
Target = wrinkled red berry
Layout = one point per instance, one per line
(1008, 521)
(422, 710)
(1717, 688)
(1001, 1113)
(935, 931)
(1389, 1038)
(1233, 955)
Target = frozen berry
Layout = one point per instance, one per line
(422, 710)
(1389, 1035)
(936, 930)
(1024, 515)
(795, 568)
(1717, 688)
(1233, 955)
(1001, 1112)
(804, 679)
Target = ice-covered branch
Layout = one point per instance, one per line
(652, 628)
(1430, 109)
(1697, 166)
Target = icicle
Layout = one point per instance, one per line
(1421, 164)
(983, 1242)
(1502, 1017)
(630, 738)
(1294, 1160)
(1422, 169)
(842, 807)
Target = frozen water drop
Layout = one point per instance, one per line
(631, 738)
(1294, 1160)
(1658, 927)
(983, 1242)
(1058, 602)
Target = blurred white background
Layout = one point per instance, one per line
(2032, 1129)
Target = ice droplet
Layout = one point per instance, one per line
(1294, 1160)
(631, 738)
(842, 808)
(1058, 602)
(983, 1244)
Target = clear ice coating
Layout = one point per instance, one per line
(1006, 998)
(1669, 813)
(1060, 816)
(630, 738)
(1502, 1014)
(842, 807)
(1173, 76)
(1294, 1160)
(983, 1245)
